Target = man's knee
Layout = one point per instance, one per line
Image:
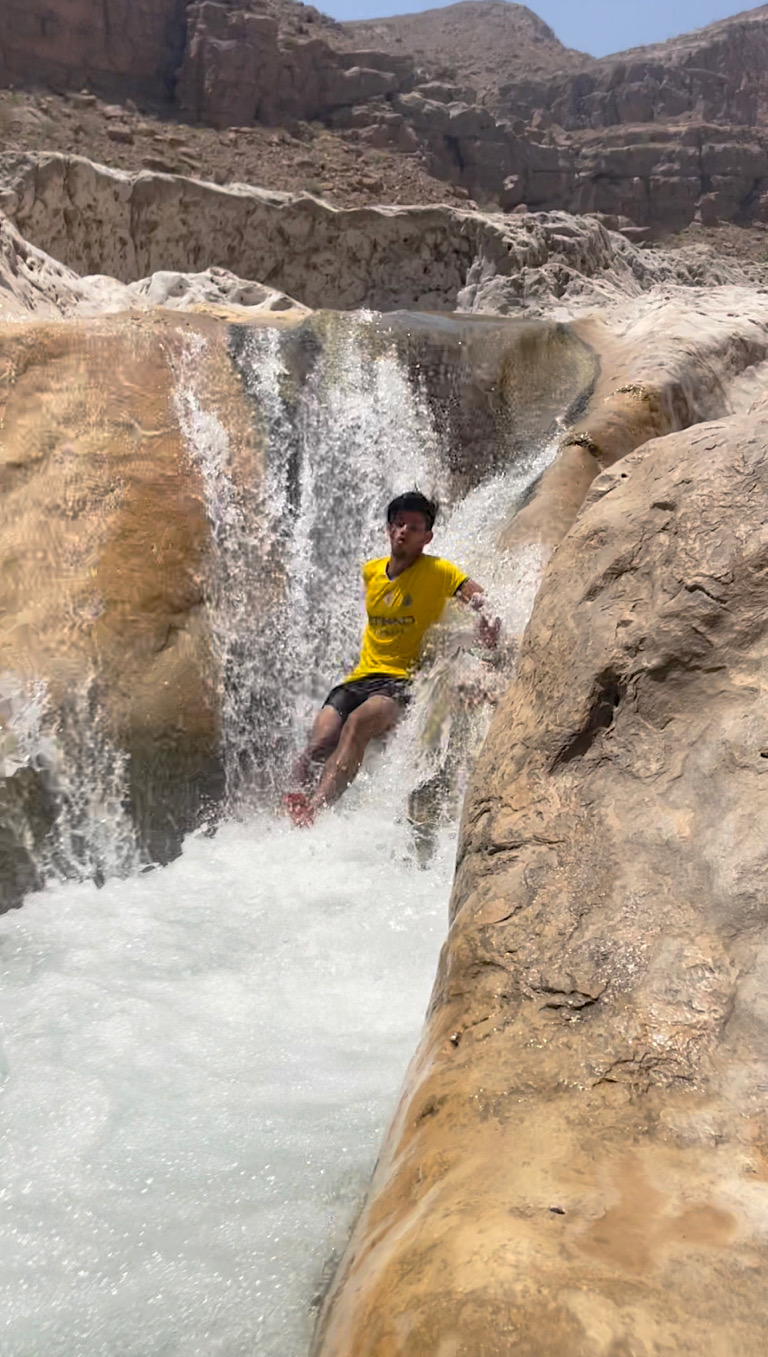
(374, 717)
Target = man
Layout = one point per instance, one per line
(404, 594)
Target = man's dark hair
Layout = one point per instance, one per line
(415, 503)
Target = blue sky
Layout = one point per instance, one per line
(595, 26)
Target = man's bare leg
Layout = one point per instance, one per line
(373, 717)
(323, 739)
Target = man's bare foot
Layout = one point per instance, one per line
(300, 809)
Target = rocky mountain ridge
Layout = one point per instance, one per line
(660, 137)
(715, 74)
(479, 44)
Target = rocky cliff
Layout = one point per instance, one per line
(661, 135)
(716, 74)
(125, 46)
(481, 45)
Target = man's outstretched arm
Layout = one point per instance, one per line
(473, 594)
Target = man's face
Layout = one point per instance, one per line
(408, 535)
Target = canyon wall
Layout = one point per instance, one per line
(95, 220)
(124, 46)
(656, 135)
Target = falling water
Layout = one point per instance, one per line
(198, 1062)
(91, 835)
(288, 556)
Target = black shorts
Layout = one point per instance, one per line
(347, 697)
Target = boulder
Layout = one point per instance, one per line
(577, 1162)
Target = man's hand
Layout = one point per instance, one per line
(488, 627)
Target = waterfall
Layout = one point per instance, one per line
(198, 1062)
(85, 779)
(287, 568)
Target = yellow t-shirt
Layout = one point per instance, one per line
(399, 612)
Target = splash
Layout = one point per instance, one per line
(83, 779)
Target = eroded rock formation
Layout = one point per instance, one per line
(100, 221)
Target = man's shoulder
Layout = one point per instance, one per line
(435, 562)
(438, 565)
(374, 567)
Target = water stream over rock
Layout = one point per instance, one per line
(198, 1060)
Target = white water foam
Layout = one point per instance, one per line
(197, 1067)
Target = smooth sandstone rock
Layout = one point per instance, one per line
(667, 360)
(577, 1163)
(104, 558)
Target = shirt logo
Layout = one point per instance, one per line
(407, 601)
(378, 622)
(389, 599)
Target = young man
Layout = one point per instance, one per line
(404, 594)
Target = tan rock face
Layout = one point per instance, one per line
(577, 1162)
(105, 545)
